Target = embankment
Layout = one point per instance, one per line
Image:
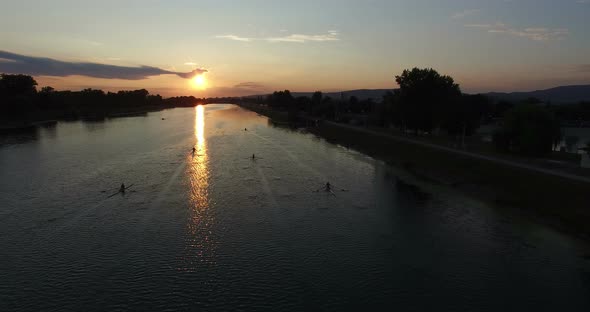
(558, 200)
(561, 201)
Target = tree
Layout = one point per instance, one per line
(17, 96)
(280, 99)
(425, 95)
(390, 110)
(501, 108)
(316, 101)
(353, 104)
(47, 90)
(17, 85)
(463, 117)
(528, 129)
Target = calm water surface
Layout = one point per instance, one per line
(220, 231)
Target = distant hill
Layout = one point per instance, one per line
(361, 94)
(565, 94)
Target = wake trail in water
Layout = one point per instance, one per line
(166, 189)
(295, 159)
(266, 187)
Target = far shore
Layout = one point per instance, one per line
(43, 120)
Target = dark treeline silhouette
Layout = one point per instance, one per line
(428, 102)
(22, 104)
(187, 101)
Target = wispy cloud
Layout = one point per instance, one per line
(465, 13)
(303, 38)
(41, 66)
(249, 85)
(234, 37)
(331, 35)
(532, 33)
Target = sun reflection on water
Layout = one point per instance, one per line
(199, 244)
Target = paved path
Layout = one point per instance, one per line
(468, 154)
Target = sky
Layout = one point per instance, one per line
(253, 47)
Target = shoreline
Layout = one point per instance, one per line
(9, 126)
(559, 200)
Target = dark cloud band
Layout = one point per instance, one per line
(41, 66)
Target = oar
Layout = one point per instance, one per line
(114, 194)
(120, 191)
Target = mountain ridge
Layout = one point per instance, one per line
(555, 95)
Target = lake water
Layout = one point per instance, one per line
(219, 231)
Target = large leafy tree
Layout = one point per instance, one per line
(280, 99)
(16, 96)
(528, 129)
(17, 85)
(425, 96)
(463, 117)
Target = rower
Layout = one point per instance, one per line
(328, 187)
(245, 129)
(194, 150)
(253, 157)
(122, 188)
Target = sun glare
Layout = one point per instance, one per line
(199, 82)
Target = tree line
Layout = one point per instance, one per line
(427, 101)
(22, 102)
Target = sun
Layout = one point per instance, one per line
(199, 82)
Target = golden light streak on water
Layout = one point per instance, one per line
(199, 244)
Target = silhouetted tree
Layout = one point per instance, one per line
(303, 103)
(280, 99)
(528, 129)
(17, 85)
(501, 108)
(316, 101)
(353, 105)
(16, 96)
(425, 95)
(47, 89)
(464, 116)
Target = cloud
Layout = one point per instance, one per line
(465, 13)
(191, 74)
(249, 85)
(41, 66)
(331, 35)
(532, 33)
(299, 38)
(234, 37)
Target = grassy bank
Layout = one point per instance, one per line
(563, 202)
